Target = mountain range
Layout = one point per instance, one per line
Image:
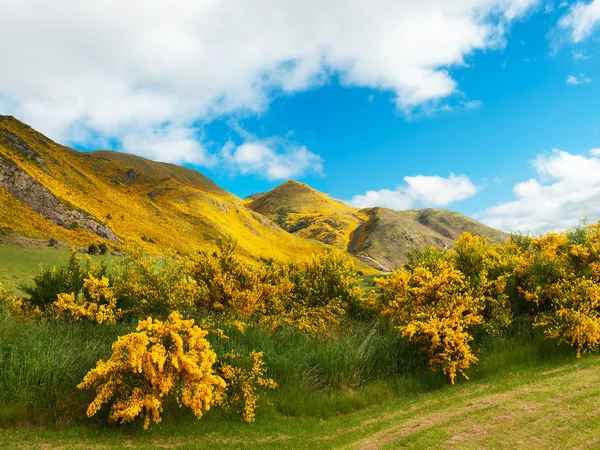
(49, 190)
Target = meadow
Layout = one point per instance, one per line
(482, 345)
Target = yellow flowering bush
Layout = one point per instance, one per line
(574, 318)
(158, 360)
(489, 270)
(100, 308)
(313, 298)
(149, 285)
(19, 308)
(431, 304)
(246, 378)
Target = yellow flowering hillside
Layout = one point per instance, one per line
(380, 237)
(48, 190)
(302, 210)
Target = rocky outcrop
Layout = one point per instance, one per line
(15, 143)
(27, 190)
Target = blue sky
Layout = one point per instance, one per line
(503, 94)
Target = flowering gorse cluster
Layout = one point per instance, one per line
(158, 360)
(149, 285)
(313, 298)
(99, 304)
(442, 299)
(432, 304)
(246, 380)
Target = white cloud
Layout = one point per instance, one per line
(420, 189)
(121, 69)
(577, 56)
(578, 79)
(273, 159)
(472, 104)
(566, 190)
(170, 144)
(581, 20)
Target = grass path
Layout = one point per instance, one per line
(542, 407)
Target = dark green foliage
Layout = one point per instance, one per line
(48, 283)
(103, 248)
(93, 249)
(52, 242)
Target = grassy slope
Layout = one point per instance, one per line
(178, 208)
(521, 402)
(20, 261)
(384, 235)
(309, 213)
(388, 235)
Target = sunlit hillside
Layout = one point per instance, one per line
(302, 210)
(388, 236)
(48, 190)
(380, 237)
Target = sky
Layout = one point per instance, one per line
(486, 107)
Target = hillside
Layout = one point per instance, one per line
(304, 211)
(381, 237)
(388, 235)
(48, 190)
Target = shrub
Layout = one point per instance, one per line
(100, 308)
(432, 305)
(48, 284)
(245, 377)
(52, 242)
(574, 318)
(154, 286)
(313, 298)
(158, 360)
(103, 248)
(93, 249)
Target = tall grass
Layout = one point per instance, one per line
(362, 365)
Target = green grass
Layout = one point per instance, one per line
(522, 395)
(18, 263)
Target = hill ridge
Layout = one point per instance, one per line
(379, 236)
(86, 197)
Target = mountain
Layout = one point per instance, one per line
(380, 237)
(384, 240)
(304, 211)
(48, 190)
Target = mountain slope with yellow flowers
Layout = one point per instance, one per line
(381, 237)
(48, 190)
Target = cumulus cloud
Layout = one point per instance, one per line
(578, 79)
(273, 159)
(122, 69)
(420, 189)
(581, 20)
(171, 144)
(567, 189)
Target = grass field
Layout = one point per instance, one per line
(20, 261)
(543, 405)
(364, 389)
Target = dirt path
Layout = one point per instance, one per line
(355, 236)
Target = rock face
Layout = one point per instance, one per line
(27, 190)
(14, 142)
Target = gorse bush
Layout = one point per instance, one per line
(48, 284)
(312, 298)
(432, 304)
(311, 324)
(445, 300)
(153, 286)
(157, 360)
